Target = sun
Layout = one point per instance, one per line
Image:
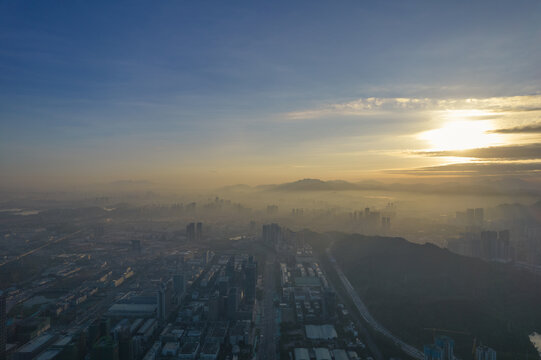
(461, 135)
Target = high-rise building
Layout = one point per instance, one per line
(485, 353)
(122, 335)
(495, 245)
(136, 246)
(251, 278)
(206, 256)
(105, 326)
(3, 329)
(214, 307)
(489, 244)
(470, 217)
(179, 284)
(190, 232)
(272, 234)
(504, 245)
(232, 303)
(105, 349)
(386, 223)
(447, 345)
(164, 300)
(479, 216)
(433, 352)
(199, 231)
(223, 285)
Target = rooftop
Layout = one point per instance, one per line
(301, 354)
(326, 332)
(36, 343)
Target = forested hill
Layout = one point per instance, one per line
(410, 287)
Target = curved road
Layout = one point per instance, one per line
(407, 348)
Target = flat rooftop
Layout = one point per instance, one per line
(323, 332)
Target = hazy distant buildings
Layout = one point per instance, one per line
(471, 218)
(479, 216)
(272, 209)
(488, 245)
(386, 223)
(495, 245)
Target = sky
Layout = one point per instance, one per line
(208, 93)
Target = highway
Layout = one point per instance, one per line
(407, 348)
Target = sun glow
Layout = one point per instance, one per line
(461, 135)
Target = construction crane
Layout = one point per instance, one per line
(434, 330)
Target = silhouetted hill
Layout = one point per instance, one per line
(484, 187)
(409, 287)
(316, 185)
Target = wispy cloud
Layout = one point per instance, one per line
(370, 105)
(475, 168)
(508, 152)
(529, 129)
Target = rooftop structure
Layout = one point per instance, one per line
(301, 354)
(322, 354)
(340, 354)
(132, 310)
(33, 347)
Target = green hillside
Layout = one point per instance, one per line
(410, 287)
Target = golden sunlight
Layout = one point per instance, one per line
(461, 135)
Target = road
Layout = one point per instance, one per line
(361, 307)
(48, 243)
(363, 331)
(267, 348)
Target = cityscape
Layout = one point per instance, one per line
(283, 180)
(217, 280)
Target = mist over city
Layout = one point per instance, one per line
(303, 180)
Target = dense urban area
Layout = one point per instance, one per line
(216, 279)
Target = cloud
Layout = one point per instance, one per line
(528, 129)
(509, 152)
(475, 168)
(374, 104)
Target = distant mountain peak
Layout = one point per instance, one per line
(315, 185)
